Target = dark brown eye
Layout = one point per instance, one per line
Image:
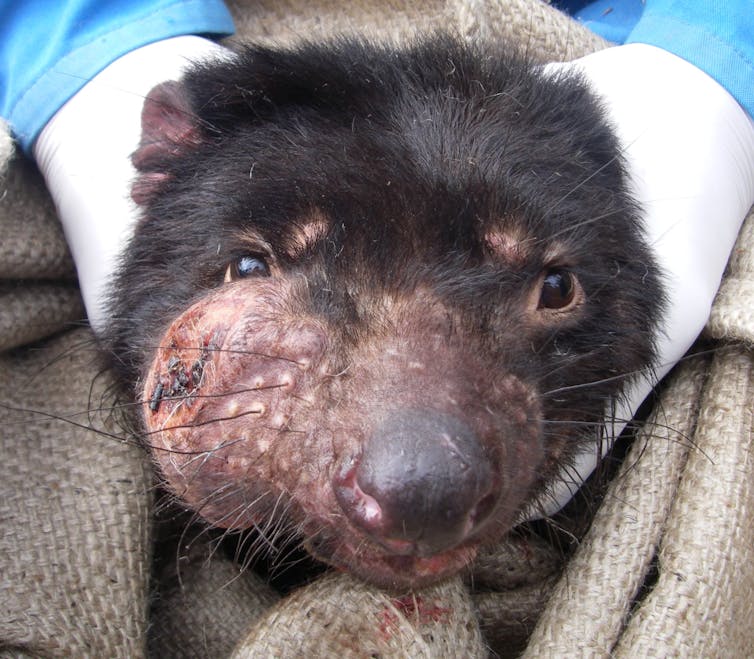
(247, 266)
(558, 289)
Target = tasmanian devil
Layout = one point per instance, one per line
(379, 296)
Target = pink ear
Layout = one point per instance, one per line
(169, 128)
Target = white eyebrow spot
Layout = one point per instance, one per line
(509, 244)
(305, 233)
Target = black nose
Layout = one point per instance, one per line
(422, 484)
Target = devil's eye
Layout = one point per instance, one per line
(247, 266)
(558, 289)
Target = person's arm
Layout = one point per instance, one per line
(73, 78)
(717, 38)
(50, 50)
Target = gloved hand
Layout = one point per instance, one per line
(689, 148)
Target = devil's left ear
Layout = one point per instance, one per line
(169, 128)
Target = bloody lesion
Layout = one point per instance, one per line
(183, 374)
(417, 610)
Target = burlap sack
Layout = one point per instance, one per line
(664, 570)
(74, 508)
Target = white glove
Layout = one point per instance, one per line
(689, 147)
(84, 154)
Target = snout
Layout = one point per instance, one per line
(422, 484)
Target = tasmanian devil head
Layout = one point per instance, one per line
(378, 296)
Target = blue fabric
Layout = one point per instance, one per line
(611, 19)
(716, 36)
(49, 49)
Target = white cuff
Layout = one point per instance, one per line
(84, 154)
(689, 147)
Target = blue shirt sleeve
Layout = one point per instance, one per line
(716, 37)
(49, 49)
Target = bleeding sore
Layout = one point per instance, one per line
(181, 381)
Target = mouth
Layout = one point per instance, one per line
(392, 571)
